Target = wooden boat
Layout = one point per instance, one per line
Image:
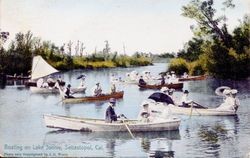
(103, 97)
(191, 110)
(193, 78)
(155, 86)
(55, 90)
(91, 125)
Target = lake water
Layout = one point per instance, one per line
(23, 132)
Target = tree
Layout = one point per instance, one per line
(203, 12)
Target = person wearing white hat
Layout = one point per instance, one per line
(165, 90)
(235, 100)
(113, 88)
(97, 90)
(230, 101)
(110, 115)
(145, 114)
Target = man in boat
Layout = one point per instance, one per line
(97, 90)
(235, 99)
(141, 81)
(113, 88)
(163, 80)
(68, 92)
(110, 115)
(186, 102)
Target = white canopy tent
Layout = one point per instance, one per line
(40, 68)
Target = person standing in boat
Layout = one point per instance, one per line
(186, 102)
(68, 92)
(141, 81)
(185, 75)
(110, 115)
(97, 90)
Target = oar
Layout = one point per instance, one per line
(129, 130)
(191, 110)
(199, 105)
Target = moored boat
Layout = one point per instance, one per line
(103, 97)
(91, 125)
(158, 86)
(193, 78)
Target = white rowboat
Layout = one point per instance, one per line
(90, 125)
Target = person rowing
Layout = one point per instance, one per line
(97, 90)
(186, 102)
(141, 81)
(68, 93)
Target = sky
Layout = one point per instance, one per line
(154, 26)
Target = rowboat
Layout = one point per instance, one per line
(55, 90)
(165, 103)
(103, 97)
(158, 86)
(193, 78)
(91, 125)
(192, 110)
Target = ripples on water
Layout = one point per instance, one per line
(208, 136)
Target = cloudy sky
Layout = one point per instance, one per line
(141, 25)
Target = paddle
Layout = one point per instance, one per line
(128, 127)
(129, 130)
(200, 105)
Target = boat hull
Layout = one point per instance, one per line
(91, 125)
(103, 97)
(172, 85)
(192, 111)
(54, 90)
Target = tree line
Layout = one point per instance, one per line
(213, 49)
(17, 58)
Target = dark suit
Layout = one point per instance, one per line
(110, 115)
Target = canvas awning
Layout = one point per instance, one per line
(40, 68)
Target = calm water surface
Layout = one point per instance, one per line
(22, 129)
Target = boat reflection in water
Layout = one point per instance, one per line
(152, 143)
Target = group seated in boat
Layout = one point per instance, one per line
(159, 100)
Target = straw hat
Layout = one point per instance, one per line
(112, 100)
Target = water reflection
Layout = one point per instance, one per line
(155, 144)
